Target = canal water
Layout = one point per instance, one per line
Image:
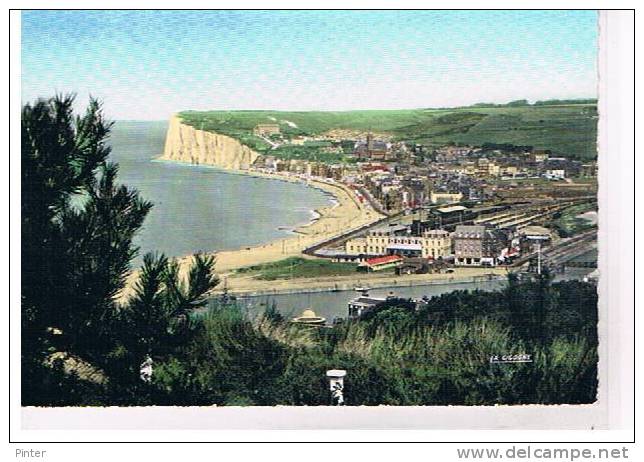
(197, 208)
(334, 304)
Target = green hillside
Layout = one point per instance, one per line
(566, 129)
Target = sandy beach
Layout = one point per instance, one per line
(345, 214)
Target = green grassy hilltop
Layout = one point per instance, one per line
(566, 128)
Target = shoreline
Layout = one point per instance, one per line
(344, 213)
(315, 213)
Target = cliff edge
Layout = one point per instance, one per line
(184, 143)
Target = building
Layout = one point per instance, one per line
(476, 246)
(571, 168)
(270, 163)
(381, 263)
(449, 215)
(413, 266)
(534, 237)
(431, 244)
(391, 195)
(421, 266)
(266, 129)
(486, 167)
(445, 197)
(509, 171)
(451, 153)
(336, 171)
(558, 174)
(437, 244)
(376, 241)
(373, 149)
(295, 166)
(589, 169)
(539, 155)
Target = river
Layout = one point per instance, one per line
(334, 304)
(199, 208)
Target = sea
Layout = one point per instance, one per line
(200, 208)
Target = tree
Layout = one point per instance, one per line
(78, 226)
(155, 322)
(227, 360)
(272, 314)
(518, 102)
(77, 230)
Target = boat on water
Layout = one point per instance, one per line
(361, 289)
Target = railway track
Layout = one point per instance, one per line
(576, 246)
(557, 254)
(526, 214)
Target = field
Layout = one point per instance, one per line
(568, 130)
(569, 223)
(297, 267)
(309, 153)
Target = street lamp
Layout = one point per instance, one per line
(336, 385)
(538, 240)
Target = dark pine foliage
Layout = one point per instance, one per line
(77, 230)
(78, 224)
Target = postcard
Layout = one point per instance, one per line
(281, 209)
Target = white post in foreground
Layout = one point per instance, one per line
(146, 369)
(336, 385)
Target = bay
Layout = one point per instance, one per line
(198, 208)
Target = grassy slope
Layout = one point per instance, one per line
(567, 130)
(568, 224)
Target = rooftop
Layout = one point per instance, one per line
(405, 247)
(383, 260)
(469, 231)
(453, 208)
(390, 229)
(535, 230)
(367, 301)
(435, 232)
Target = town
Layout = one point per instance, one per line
(450, 206)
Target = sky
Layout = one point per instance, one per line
(147, 65)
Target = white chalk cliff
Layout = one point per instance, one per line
(184, 143)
